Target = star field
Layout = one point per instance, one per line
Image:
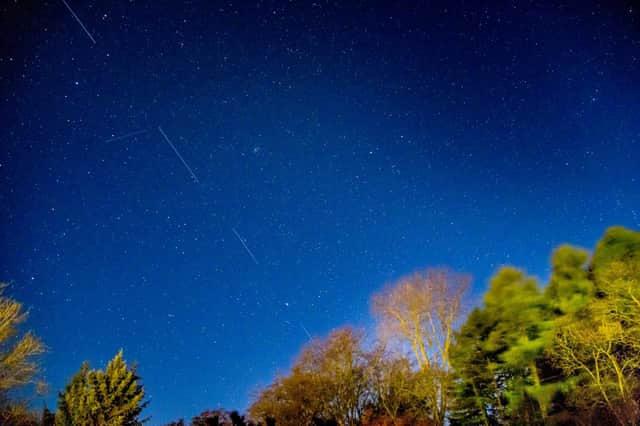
(210, 182)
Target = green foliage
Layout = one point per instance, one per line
(478, 388)
(113, 397)
(502, 351)
(570, 288)
(617, 244)
(598, 346)
(568, 353)
(498, 353)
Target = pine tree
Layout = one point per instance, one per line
(113, 397)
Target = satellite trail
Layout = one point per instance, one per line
(193, 175)
(128, 135)
(244, 245)
(306, 331)
(79, 21)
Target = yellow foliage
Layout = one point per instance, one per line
(18, 365)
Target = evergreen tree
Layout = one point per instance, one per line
(110, 398)
(500, 358)
(480, 384)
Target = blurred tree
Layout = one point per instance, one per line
(423, 310)
(499, 354)
(568, 354)
(479, 388)
(599, 344)
(110, 398)
(570, 289)
(617, 244)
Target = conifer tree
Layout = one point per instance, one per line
(113, 397)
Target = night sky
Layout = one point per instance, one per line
(328, 148)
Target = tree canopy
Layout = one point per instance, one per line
(564, 352)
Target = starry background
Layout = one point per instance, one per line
(347, 143)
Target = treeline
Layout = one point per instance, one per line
(567, 353)
(563, 353)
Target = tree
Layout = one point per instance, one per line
(500, 354)
(390, 378)
(48, 418)
(599, 343)
(113, 397)
(589, 350)
(176, 423)
(18, 414)
(567, 353)
(617, 244)
(480, 383)
(423, 310)
(296, 399)
(18, 355)
(342, 368)
(328, 384)
(218, 417)
(570, 288)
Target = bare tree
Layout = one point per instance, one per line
(390, 378)
(422, 310)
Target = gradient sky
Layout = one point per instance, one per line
(347, 144)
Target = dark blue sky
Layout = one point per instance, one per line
(348, 143)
